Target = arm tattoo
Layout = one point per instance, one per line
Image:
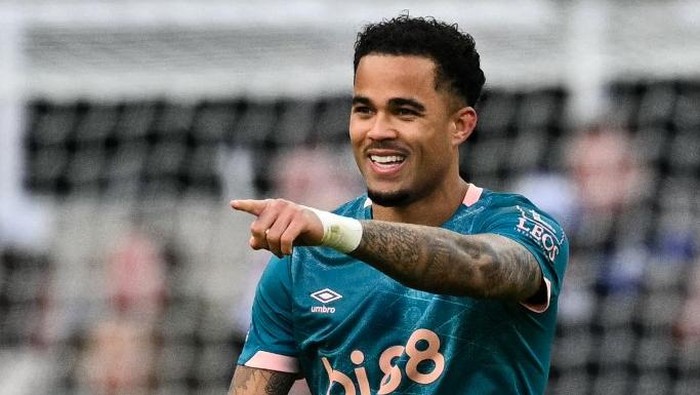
(254, 381)
(440, 261)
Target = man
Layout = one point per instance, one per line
(426, 285)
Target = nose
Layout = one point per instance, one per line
(382, 128)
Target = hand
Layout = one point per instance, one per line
(280, 224)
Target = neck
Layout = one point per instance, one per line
(432, 211)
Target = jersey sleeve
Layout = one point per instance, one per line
(270, 343)
(520, 220)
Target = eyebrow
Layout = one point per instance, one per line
(361, 100)
(393, 103)
(402, 102)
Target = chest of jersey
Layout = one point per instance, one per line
(359, 328)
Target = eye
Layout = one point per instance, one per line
(406, 112)
(362, 110)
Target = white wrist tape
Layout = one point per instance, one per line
(341, 233)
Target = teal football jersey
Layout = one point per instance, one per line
(350, 329)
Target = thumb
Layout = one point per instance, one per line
(249, 206)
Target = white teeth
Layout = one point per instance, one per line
(386, 159)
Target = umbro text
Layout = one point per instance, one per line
(322, 309)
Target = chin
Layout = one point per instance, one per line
(390, 199)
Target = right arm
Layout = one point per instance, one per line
(256, 381)
(445, 262)
(421, 257)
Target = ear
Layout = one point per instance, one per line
(464, 122)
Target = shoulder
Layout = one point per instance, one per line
(498, 204)
(505, 199)
(515, 216)
(276, 271)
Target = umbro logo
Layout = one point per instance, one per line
(325, 296)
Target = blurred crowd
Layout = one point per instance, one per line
(634, 270)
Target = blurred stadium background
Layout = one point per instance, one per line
(126, 126)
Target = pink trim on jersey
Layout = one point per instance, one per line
(472, 196)
(271, 361)
(542, 307)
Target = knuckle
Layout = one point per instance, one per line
(284, 205)
(256, 229)
(278, 203)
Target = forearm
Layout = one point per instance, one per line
(440, 261)
(421, 257)
(254, 381)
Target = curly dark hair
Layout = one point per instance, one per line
(453, 51)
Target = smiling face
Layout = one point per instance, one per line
(405, 134)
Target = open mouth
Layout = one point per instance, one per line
(387, 161)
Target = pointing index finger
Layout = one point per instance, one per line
(250, 206)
